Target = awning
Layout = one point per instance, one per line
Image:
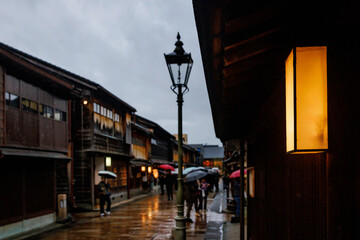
(160, 161)
(140, 162)
(33, 153)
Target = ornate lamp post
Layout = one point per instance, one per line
(179, 64)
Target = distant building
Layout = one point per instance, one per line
(209, 155)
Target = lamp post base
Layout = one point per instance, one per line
(179, 231)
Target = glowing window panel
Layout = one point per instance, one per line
(306, 99)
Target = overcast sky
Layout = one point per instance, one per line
(119, 44)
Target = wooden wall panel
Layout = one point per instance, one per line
(13, 126)
(29, 129)
(46, 132)
(12, 85)
(306, 196)
(29, 191)
(60, 139)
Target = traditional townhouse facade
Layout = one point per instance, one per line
(100, 130)
(35, 142)
(102, 126)
(189, 154)
(161, 142)
(141, 165)
(283, 84)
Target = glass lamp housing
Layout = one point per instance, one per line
(179, 64)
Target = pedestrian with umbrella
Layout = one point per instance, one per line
(104, 191)
(195, 175)
(169, 182)
(162, 181)
(167, 167)
(236, 176)
(190, 189)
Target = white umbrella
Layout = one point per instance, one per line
(107, 174)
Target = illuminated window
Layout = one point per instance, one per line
(306, 99)
(108, 161)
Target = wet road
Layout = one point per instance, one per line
(151, 217)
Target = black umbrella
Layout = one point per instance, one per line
(195, 175)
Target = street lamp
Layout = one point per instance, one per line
(179, 64)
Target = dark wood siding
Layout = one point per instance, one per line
(306, 196)
(60, 139)
(82, 177)
(29, 188)
(28, 91)
(31, 129)
(13, 126)
(46, 132)
(39, 187)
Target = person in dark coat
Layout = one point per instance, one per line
(190, 189)
(162, 183)
(104, 194)
(237, 195)
(198, 196)
(217, 178)
(169, 182)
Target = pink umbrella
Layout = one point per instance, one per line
(167, 166)
(236, 173)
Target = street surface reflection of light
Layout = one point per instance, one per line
(143, 219)
(156, 205)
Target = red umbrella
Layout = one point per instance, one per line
(167, 166)
(236, 173)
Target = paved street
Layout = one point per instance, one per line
(150, 217)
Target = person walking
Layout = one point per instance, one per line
(144, 181)
(169, 182)
(162, 183)
(217, 178)
(198, 196)
(237, 196)
(151, 181)
(189, 195)
(104, 194)
(204, 192)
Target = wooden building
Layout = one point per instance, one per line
(282, 79)
(102, 129)
(161, 142)
(189, 154)
(141, 165)
(35, 142)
